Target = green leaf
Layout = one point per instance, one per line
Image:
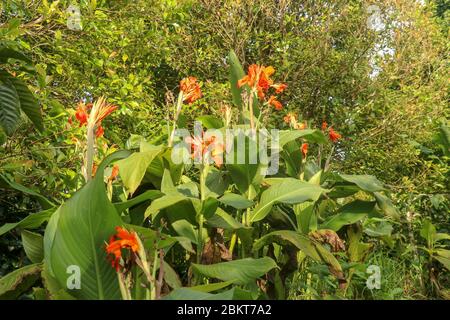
(33, 244)
(223, 220)
(33, 221)
(301, 241)
(364, 182)
(147, 195)
(171, 277)
(76, 235)
(348, 214)
(312, 135)
(241, 271)
(428, 232)
(386, 206)
(28, 103)
(235, 200)
(210, 287)
(133, 168)
(164, 202)
(210, 122)
(236, 73)
(8, 53)
(45, 203)
(290, 191)
(443, 256)
(306, 219)
(17, 282)
(246, 175)
(9, 105)
(185, 229)
(311, 248)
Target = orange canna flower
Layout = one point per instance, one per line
(104, 111)
(274, 102)
(324, 126)
(99, 132)
(258, 77)
(190, 89)
(121, 240)
(94, 169)
(114, 173)
(279, 87)
(290, 118)
(206, 149)
(304, 149)
(300, 126)
(334, 136)
(81, 114)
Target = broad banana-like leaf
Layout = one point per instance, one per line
(241, 271)
(364, 182)
(312, 135)
(76, 235)
(290, 191)
(133, 168)
(310, 247)
(348, 214)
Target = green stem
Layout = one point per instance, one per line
(175, 119)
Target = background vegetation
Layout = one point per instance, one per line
(384, 89)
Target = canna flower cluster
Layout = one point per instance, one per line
(333, 135)
(259, 80)
(99, 111)
(190, 89)
(206, 149)
(292, 121)
(118, 243)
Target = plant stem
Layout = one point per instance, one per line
(203, 173)
(89, 153)
(175, 119)
(153, 285)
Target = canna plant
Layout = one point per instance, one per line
(211, 227)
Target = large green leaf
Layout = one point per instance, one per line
(311, 135)
(308, 246)
(223, 220)
(241, 271)
(147, 195)
(9, 105)
(33, 221)
(133, 168)
(76, 235)
(210, 122)
(290, 191)
(236, 73)
(364, 182)
(235, 200)
(17, 282)
(301, 241)
(246, 173)
(348, 214)
(33, 244)
(443, 256)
